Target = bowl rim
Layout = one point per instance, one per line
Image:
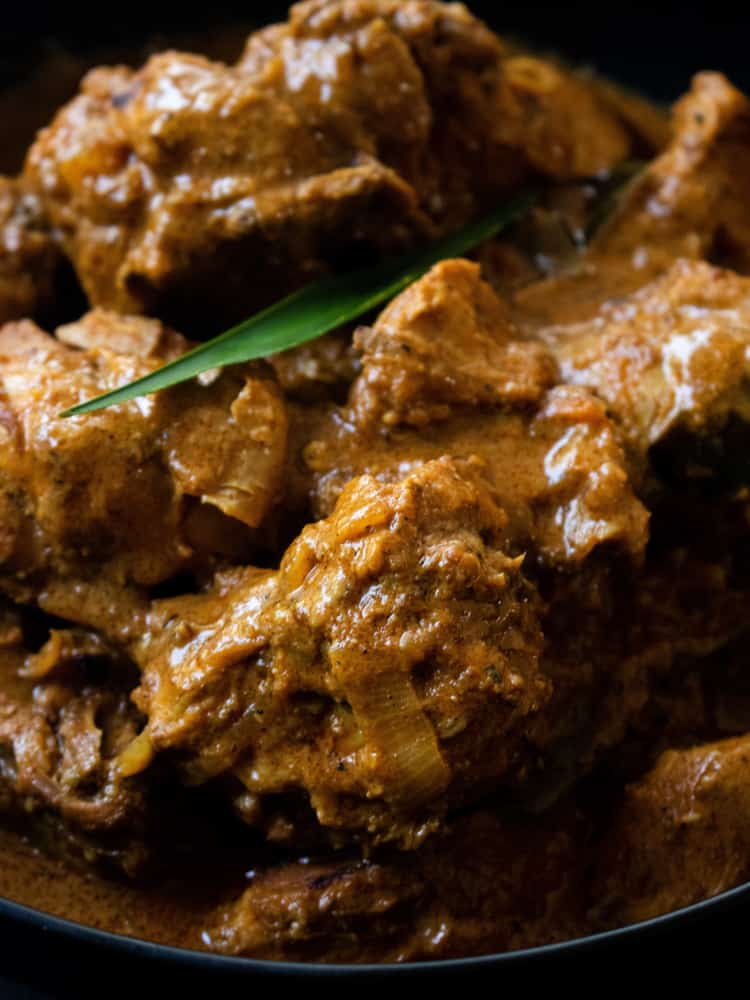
(186, 958)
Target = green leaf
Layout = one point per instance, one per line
(310, 312)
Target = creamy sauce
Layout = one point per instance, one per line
(173, 914)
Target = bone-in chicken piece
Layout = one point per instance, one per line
(29, 258)
(135, 494)
(197, 192)
(387, 672)
(445, 372)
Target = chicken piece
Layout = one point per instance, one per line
(646, 122)
(135, 494)
(175, 196)
(489, 883)
(198, 192)
(386, 673)
(681, 835)
(691, 200)
(688, 203)
(672, 363)
(485, 98)
(445, 344)
(444, 372)
(29, 257)
(65, 716)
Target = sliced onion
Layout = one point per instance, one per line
(136, 756)
(409, 763)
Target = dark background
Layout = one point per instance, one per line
(655, 47)
(652, 48)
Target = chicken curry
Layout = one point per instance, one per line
(424, 639)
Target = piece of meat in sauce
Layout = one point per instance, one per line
(687, 203)
(672, 363)
(136, 494)
(690, 201)
(444, 371)
(198, 192)
(681, 835)
(386, 673)
(488, 883)
(65, 718)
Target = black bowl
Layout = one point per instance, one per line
(50, 957)
(654, 50)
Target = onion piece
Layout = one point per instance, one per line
(136, 756)
(409, 763)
